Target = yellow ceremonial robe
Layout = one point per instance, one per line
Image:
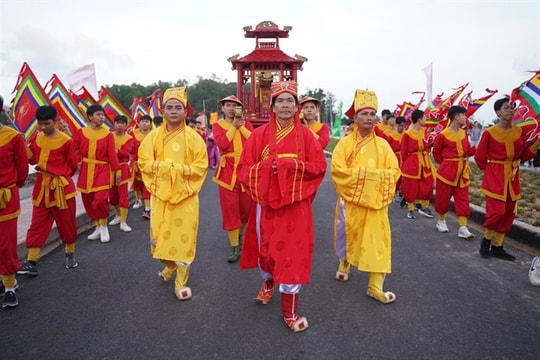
(173, 165)
(364, 172)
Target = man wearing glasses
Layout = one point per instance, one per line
(501, 148)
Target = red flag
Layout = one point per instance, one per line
(28, 98)
(67, 109)
(155, 103)
(526, 101)
(475, 104)
(138, 108)
(112, 107)
(83, 99)
(201, 117)
(438, 109)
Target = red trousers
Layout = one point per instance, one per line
(417, 189)
(96, 204)
(138, 185)
(42, 221)
(9, 260)
(499, 214)
(442, 198)
(235, 207)
(119, 196)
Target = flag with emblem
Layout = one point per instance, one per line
(526, 101)
(112, 107)
(68, 111)
(155, 103)
(29, 96)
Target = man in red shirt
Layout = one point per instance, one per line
(230, 135)
(452, 150)
(53, 199)
(13, 173)
(99, 170)
(499, 152)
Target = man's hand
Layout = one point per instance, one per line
(238, 122)
(118, 179)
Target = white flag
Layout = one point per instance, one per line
(84, 76)
(428, 70)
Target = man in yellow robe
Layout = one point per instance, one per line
(364, 171)
(173, 163)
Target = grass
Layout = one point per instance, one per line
(529, 204)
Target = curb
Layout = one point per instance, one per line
(520, 231)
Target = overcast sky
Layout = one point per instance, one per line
(381, 45)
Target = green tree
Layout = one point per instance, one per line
(206, 93)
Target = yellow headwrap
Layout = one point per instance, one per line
(363, 99)
(180, 94)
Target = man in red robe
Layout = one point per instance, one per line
(230, 135)
(53, 197)
(13, 173)
(282, 166)
(499, 152)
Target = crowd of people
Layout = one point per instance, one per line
(267, 178)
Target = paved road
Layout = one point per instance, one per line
(451, 304)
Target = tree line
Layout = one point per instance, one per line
(204, 94)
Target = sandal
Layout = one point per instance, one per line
(342, 276)
(183, 293)
(386, 297)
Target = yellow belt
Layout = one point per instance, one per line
(93, 161)
(5, 196)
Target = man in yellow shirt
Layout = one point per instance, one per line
(173, 163)
(364, 171)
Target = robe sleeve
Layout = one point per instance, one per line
(71, 156)
(188, 178)
(22, 160)
(295, 179)
(438, 148)
(173, 181)
(480, 157)
(372, 188)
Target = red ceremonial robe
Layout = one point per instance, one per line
(286, 219)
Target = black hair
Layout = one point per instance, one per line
(499, 103)
(145, 117)
(386, 112)
(455, 111)
(295, 99)
(157, 120)
(416, 115)
(92, 109)
(400, 120)
(121, 119)
(46, 112)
